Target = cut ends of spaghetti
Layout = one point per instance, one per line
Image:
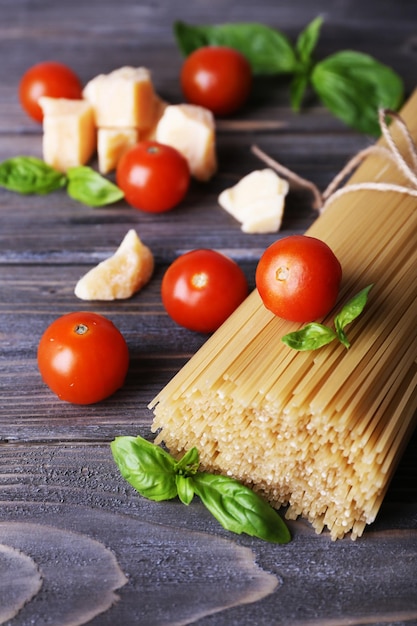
(320, 432)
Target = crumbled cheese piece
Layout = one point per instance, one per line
(257, 201)
(191, 130)
(69, 133)
(112, 143)
(121, 275)
(124, 98)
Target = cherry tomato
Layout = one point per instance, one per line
(154, 177)
(218, 78)
(48, 78)
(298, 278)
(201, 288)
(83, 357)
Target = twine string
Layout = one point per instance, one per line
(321, 201)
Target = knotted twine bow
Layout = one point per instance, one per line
(391, 151)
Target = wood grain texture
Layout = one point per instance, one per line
(82, 545)
(177, 574)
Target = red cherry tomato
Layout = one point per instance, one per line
(201, 288)
(48, 78)
(154, 177)
(298, 278)
(218, 78)
(83, 357)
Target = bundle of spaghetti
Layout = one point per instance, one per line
(319, 432)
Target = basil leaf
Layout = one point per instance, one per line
(147, 467)
(268, 50)
(190, 38)
(189, 463)
(307, 40)
(27, 175)
(89, 187)
(349, 312)
(310, 337)
(238, 508)
(353, 86)
(185, 488)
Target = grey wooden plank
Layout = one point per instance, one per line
(65, 510)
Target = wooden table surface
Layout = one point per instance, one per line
(77, 544)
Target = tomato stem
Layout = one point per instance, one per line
(282, 273)
(80, 329)
(199, 280)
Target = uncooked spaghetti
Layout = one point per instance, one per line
(319, 432)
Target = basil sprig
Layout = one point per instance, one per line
(30, 175)
(156, 475)
(352, 85)
(315, 335)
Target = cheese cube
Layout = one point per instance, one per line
(69, 133)
(124, 98)
(149, 134)
(112, 143)
(257, 201)
(191, 130)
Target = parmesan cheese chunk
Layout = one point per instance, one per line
(69, 133)
(257, 201)
(112, 143)
(191, 130)
(121, 275)
(124, 98)
(149, 134)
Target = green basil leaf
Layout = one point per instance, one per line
(89, 187)
(350, 312)
(185, 488)
(30, 175)
(238, 508)
(147, 467)
(189, 463)
(190, 38)
(307, 41)
(310, 337)
(268, 50)
(353, 86)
